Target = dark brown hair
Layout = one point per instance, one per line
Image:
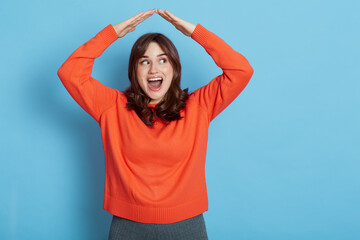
(168, 109)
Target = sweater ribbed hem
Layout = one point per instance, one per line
(155, 215)
(108, 34)
(200, 34)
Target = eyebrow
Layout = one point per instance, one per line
(162, 54)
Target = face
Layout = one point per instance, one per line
(151, 68)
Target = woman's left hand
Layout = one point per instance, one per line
(180, 24)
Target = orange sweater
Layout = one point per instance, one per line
(155, 175)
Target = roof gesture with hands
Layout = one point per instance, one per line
(130, 24)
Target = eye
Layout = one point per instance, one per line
(144, 62)
(163, 60)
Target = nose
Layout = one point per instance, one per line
(153, 68)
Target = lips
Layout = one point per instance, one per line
(155, 83)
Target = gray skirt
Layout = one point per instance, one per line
(188, 229)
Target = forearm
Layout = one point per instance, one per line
(78, 67)
(224, 55)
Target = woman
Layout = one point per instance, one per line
(155, 134)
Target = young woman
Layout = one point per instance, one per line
(154, 133)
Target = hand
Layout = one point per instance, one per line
(130, 24)
(182, 25)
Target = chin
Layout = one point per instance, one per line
(156, 100)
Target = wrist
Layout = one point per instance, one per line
(191, 29)
(116, 28)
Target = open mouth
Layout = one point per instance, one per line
(155, 83)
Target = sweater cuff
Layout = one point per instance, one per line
(200, 34)
(108, 34)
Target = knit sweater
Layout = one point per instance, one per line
(155, 175)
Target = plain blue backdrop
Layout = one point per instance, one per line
(282, 160)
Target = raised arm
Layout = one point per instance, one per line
(75, 72)
(223, 89)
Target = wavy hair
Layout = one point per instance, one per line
(168, 109)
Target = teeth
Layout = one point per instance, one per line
(154, 79)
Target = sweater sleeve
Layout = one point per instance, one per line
(223, 89)
(75, 74)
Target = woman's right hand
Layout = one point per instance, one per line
(130, 24)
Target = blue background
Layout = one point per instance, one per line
(282, 160)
